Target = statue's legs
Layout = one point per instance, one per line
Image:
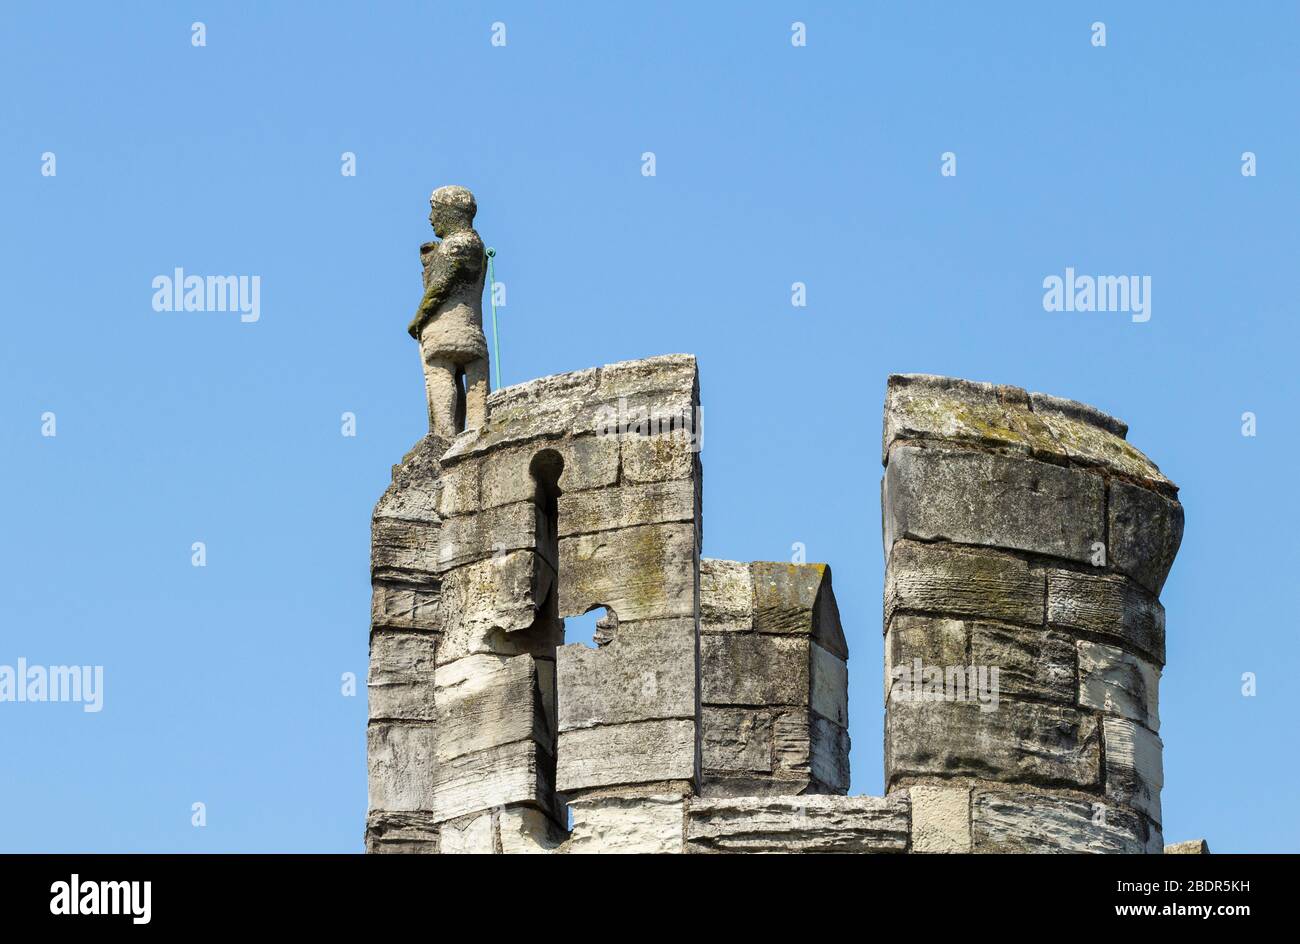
(476, 393)
(444, 394)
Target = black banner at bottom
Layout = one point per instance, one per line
(336, 893)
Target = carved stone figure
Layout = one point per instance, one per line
(449, 322)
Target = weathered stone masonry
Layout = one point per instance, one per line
(1021, 532)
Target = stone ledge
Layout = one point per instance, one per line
(1011, 821)
(1010, 419)
(563, 405)
(817, 824)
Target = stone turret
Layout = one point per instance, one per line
(580, 491)
(1026, 545)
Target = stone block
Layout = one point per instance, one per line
(483, 606)
(736, 739)
(1047, 408)
(1010, 420)
(1018, 742)
(526, 830)
(940, 819)
(666, 372)
(647, 825)
(412, 833)
(830, 686)
(792, 741)
(924, 406)
(626, 506)
(798, 824)
(401, 764)
(829, 754)
(469, 835)
(657, 459)
(589, 462)
(1113, 680)
(489, 533)
(1031, 822)
(398, 606)
(970, 497)
(652, 414)
(400, 683)
(627, 754)
(1188, 847)
(512, 773)
(797, 599)
(403, 550)
(666, 415)
(934, 640)
(1086, 444)
(755, 670)
(486, 701)
(726, 596)
(459, 492)
(640, 573)
(1107, 605)
(648, 671)
(1145, 532)
(954, 581)
(1032, 662)
(413, 494)
(1134, 765)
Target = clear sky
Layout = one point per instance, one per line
(774, 164)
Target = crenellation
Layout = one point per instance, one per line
(1025, 536)
(1026, 542)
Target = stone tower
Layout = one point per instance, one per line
(1026, 544)
(1023, 534)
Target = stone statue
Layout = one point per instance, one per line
(449, 322)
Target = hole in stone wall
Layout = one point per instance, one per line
(593, 629)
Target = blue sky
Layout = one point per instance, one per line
(774, 164)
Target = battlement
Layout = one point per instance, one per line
(1026, 544)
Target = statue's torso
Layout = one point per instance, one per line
(455, 330)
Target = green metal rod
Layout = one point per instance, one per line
(496, 350)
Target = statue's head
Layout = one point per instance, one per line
(451, 209)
